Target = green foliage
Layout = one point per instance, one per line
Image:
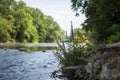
(114, 38)
(70, 53)
(53, 30)
(101, 18)
(30, 34)
(26, 24)
(70, 56)
(80, 36)
(5, 29)
(5, 7)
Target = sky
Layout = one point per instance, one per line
(60, 10)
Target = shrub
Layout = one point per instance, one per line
(69, 56)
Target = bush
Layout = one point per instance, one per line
(69, 56)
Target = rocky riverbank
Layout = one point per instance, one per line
(101, 63)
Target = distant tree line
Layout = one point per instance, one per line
(20, 23)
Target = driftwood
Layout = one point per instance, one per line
(108, 46)
(105, 51)
(73, 67)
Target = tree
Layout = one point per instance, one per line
(101, 20)
(54, 32)
(38, 22)
(25, 30)
(26, 24)
(5, 29)
(5, 7)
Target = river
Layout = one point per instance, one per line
(20, 65)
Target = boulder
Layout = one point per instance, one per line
(111, 70)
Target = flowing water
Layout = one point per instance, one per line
(19, 65)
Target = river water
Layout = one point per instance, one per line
(19, 65)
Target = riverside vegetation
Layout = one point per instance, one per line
(88, 62)
(100, 58)
(21, 23)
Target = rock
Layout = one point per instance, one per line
(22, 49)
(43, 50)
(45, 66)
(89, 67)
(111, 70)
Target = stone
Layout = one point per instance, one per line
(111, 70)
(22, 49)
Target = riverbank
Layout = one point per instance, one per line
(101, 62)
(30, 46)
